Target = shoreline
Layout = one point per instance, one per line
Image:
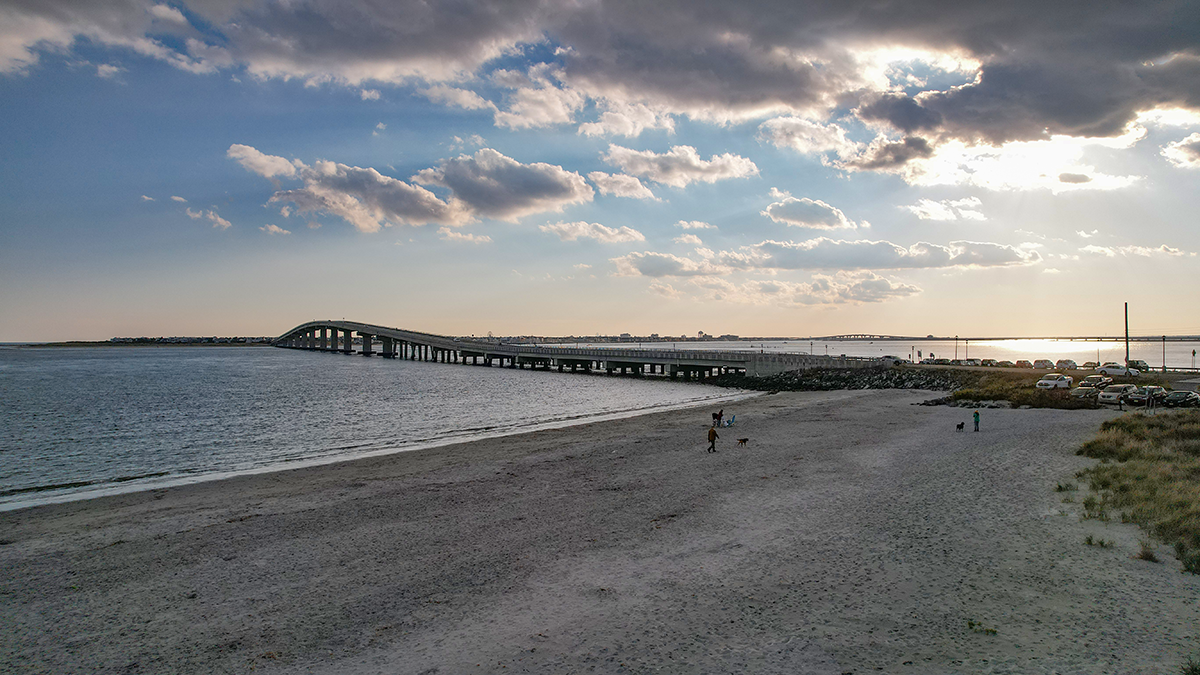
(128, 486)
(855, 532)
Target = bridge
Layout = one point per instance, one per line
(340, 336)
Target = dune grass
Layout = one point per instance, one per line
(1150, 471)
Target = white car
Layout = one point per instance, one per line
(1113, 368)
(1115, 393)
(1055, 381)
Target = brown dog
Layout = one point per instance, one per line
(742, 442)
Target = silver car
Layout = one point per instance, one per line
(1115, 393)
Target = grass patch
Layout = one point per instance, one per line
(1066, 487)
(1146, 552)
(1192, 667)
(1092, 541)
(1150, 471)
(978, 627)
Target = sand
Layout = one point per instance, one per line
(855, 533)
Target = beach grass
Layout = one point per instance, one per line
(1150, 470)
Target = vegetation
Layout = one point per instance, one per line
(1150, 470)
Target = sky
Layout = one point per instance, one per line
(582, 167)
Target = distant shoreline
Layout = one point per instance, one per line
(106, 343)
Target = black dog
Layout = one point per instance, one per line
(961, 426)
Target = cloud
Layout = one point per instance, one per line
(825, 253)
(266, 166)
(806, 212)
(216, 220)
(369, 94)
(840, 288)
(947, 209)
(573, 231)
(627, 119)
(147, 199)
(695, 225)
(582, 266)
(177, 198)
(274, 229)
(108, 71)
(1140, 251)
(901, 112)
(461, 98)
(806, 136)
(496, 186)
(679, 166)
(454, 235)
(1087, 235)
(1075, 178)
(542, 105)
(620, 185)
(690, 239)
(650, 264)
(886, 154)
(168, 14)
(1184, 153)
(487, 184)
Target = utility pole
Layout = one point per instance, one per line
(1127, 335)
(956, 347)
(1164, 353)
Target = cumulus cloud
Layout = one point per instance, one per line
(1133, 250)
(1087, 235)
(274, 229)
(108, 71)
(168, 14)
(573, 231)
(840, 288)
(650, 264)
(1184, 153)
(267, 166)
(627, 119)
(496, 186)
(454, 235)
(620, 185)
(177, 198)
(369, 94)
(695, 225)
(486, 184)
(837, 254)
(212, 216)
(146, 198)
(805, 212)
(541, 105)
(689, 239)
(679, 166)
(454, 96)
(806, 136)
(886, 154)
(947, 209)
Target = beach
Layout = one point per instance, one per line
(855, 532)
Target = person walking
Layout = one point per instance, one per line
(976, 417)
(712, 439)
(720, 416)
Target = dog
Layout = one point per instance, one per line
(961, 426)
(742, 442)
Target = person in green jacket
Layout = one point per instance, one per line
(976, 416)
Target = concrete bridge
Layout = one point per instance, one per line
(339, 336)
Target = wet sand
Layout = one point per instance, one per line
(854, 533)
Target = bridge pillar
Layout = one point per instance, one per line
(324, 342)
(387, 347)
(366, 339)
(347, 342)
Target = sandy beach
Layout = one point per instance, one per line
(854, 533)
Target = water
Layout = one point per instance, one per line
(1178, 354)
(78, 423)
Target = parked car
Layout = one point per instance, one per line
(1046, 364)
(1054, 381)
(991, 363)
(1006, 364)
(1141, 396)
(1065, 364)
(1023, 364)
(1182, 399)
(1085, 392)
(1097, 381)
(1139, 365)
(1114, 368)
(1116, 393)
(971, 362)
(1088, 365)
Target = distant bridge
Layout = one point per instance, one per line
(1064, 338)
(339, 336)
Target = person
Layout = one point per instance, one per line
(720, 416)
(712, 439)
(976, 416)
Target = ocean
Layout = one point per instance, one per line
(85, 422)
